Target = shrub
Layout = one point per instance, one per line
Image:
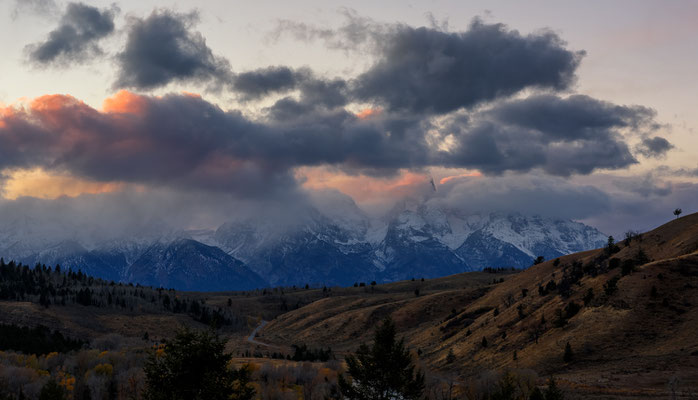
(611, 286)
(627, 267)
(589, 296)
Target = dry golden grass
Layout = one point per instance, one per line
(628, 344)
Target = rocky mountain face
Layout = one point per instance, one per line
(330, 244)
(186, 264)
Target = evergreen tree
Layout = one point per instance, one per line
(451, 357)
(553, 392)
(567, 357)
(536, 394)
(194, 366)
(383, 371)
(51, 391)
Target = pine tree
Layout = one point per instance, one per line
(51, 391)
(383, 371)
(567, 357)
(451, 357)
(553, 392)
(194, 366)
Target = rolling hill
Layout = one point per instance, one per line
(628, 311)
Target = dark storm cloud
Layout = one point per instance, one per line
(576, 117)
(563, 136)
(428, 70)
(655, 147)
(75, 39)
(182, 140)
(163, 48)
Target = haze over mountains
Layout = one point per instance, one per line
(330, 243)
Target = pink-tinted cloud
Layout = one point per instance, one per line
(471, 174)
(366, 189)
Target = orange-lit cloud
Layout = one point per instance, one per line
(46, 185)
(367, 113)
(365, 188)
(447, 179)
(124, 102)
(190, 94)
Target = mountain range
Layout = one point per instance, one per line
(329, 244)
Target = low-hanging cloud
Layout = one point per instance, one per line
(534, 194)
(164, 48)
(76, 39)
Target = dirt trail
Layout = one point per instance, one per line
(252, 336)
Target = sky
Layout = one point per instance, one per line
(193, 112)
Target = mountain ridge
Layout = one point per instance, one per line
(326, 246)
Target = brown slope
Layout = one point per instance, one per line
(628, 342)
(347, 317)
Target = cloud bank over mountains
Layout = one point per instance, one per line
(486, 99)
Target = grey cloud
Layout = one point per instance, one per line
(529, 195)
(135, 214)
(163, 48)
(75, 39)
(647, 186)
(577, 117)
(630, 211)
(656, 147)
(427, 70)
(669, 171)
(563, 136)
(264, 81)
(355, 34)
(314, 91)
(598, 202)
(38, 7)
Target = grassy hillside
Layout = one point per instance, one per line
(628, 312)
